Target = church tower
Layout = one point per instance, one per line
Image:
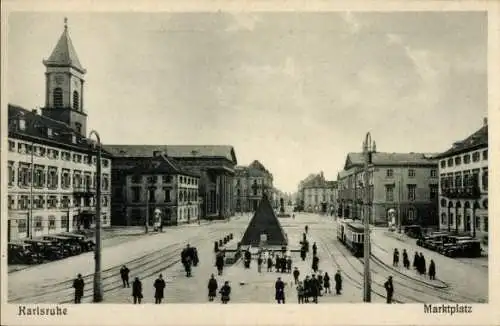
(64, 85)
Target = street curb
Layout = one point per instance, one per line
(385, 265)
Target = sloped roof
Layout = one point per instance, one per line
(174, 151)
(264, 221)
(477, 140)
(160, 164)
(381, 158)
(36, 126)
(64, 53)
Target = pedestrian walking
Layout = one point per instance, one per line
(219, 262)
(269, 264)
(187, 266)
(306, 229)
(315, 249)
(326, 283)
(422, 264)
(280, 290)
(338, 283)
(288, 264)
(320, 284)
(225, 292)
(406, 261)
(314, 288)
(300, 292)
(389, 288)
(259, 263)
(296, 274)
(124, 271)
(432, 270)
(137, 290)
(395, 258)
(315, 263)
(78, 285)
(283, 264)
(307, 289)
(212, 288)
(159, 286)
(303, 253)
(415, 261)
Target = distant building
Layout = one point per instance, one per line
(160, 185)
(214, 164)
(405, 182)
(319, 195)
(250, 184)
(51, 164)
(463, 191)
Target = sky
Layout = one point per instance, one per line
(296, 91)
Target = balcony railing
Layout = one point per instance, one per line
(84, 190)
(469, 192)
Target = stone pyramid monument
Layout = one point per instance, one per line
(264, 222)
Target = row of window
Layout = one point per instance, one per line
(450, 220)
(411, 192)
(153, 179)
(444, 204)
(316, 198)
(43, 151)
(389, 173)
(49, 177)
(22, 202)
(465, 159)
(185, 195)
(465, 179)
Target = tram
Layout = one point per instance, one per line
(351, 234)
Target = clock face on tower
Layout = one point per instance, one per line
(59, 79)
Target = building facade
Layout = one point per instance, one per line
(404, 182)
(250, 184)
(319, 195)
(160, 186)
(214, 164)
(51, 164)
(463, 191)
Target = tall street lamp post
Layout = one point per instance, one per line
(368, 150)
(97, 253)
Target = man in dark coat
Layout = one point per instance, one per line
(307, 288)
(314, 288)
(320, 284)
(296, 274)
(283, 264)
(303, 253)
(137, 290)
(326, 283)
(406, 261)
(78, 285)
(277, 264)
(423, 268)
(289, 264)
(389, 288)
(280, 291)
(415, 261)
(432, 270)
(124, 274)
(259, 263)
(315, 263)
(269, 263)
(212, 288)
(219, 262)
(225, 292)
(159, 286)
(338, 283)
(395, 258)
(315, 249)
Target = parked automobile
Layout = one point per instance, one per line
(22, 253)
(464, 248)
(70, 244)
(46, 249)
(86, 244)
(414, 231)
(451, 240)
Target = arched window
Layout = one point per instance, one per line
(58, 97)
(443, 202)
(76, 100)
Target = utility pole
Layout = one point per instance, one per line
(368, 149)
(146, 225)
(98, 294)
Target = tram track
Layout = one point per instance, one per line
(145, 266)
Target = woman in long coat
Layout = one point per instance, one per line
(326, 283)
(212, 288)
(137, 290)
(432, 270)
(225, 291)
(159, 286)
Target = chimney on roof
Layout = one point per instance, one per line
(485, 121)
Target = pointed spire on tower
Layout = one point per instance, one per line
(64, 54)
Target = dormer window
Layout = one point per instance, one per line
(73, 139)
(49, 132)
(22, 124)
